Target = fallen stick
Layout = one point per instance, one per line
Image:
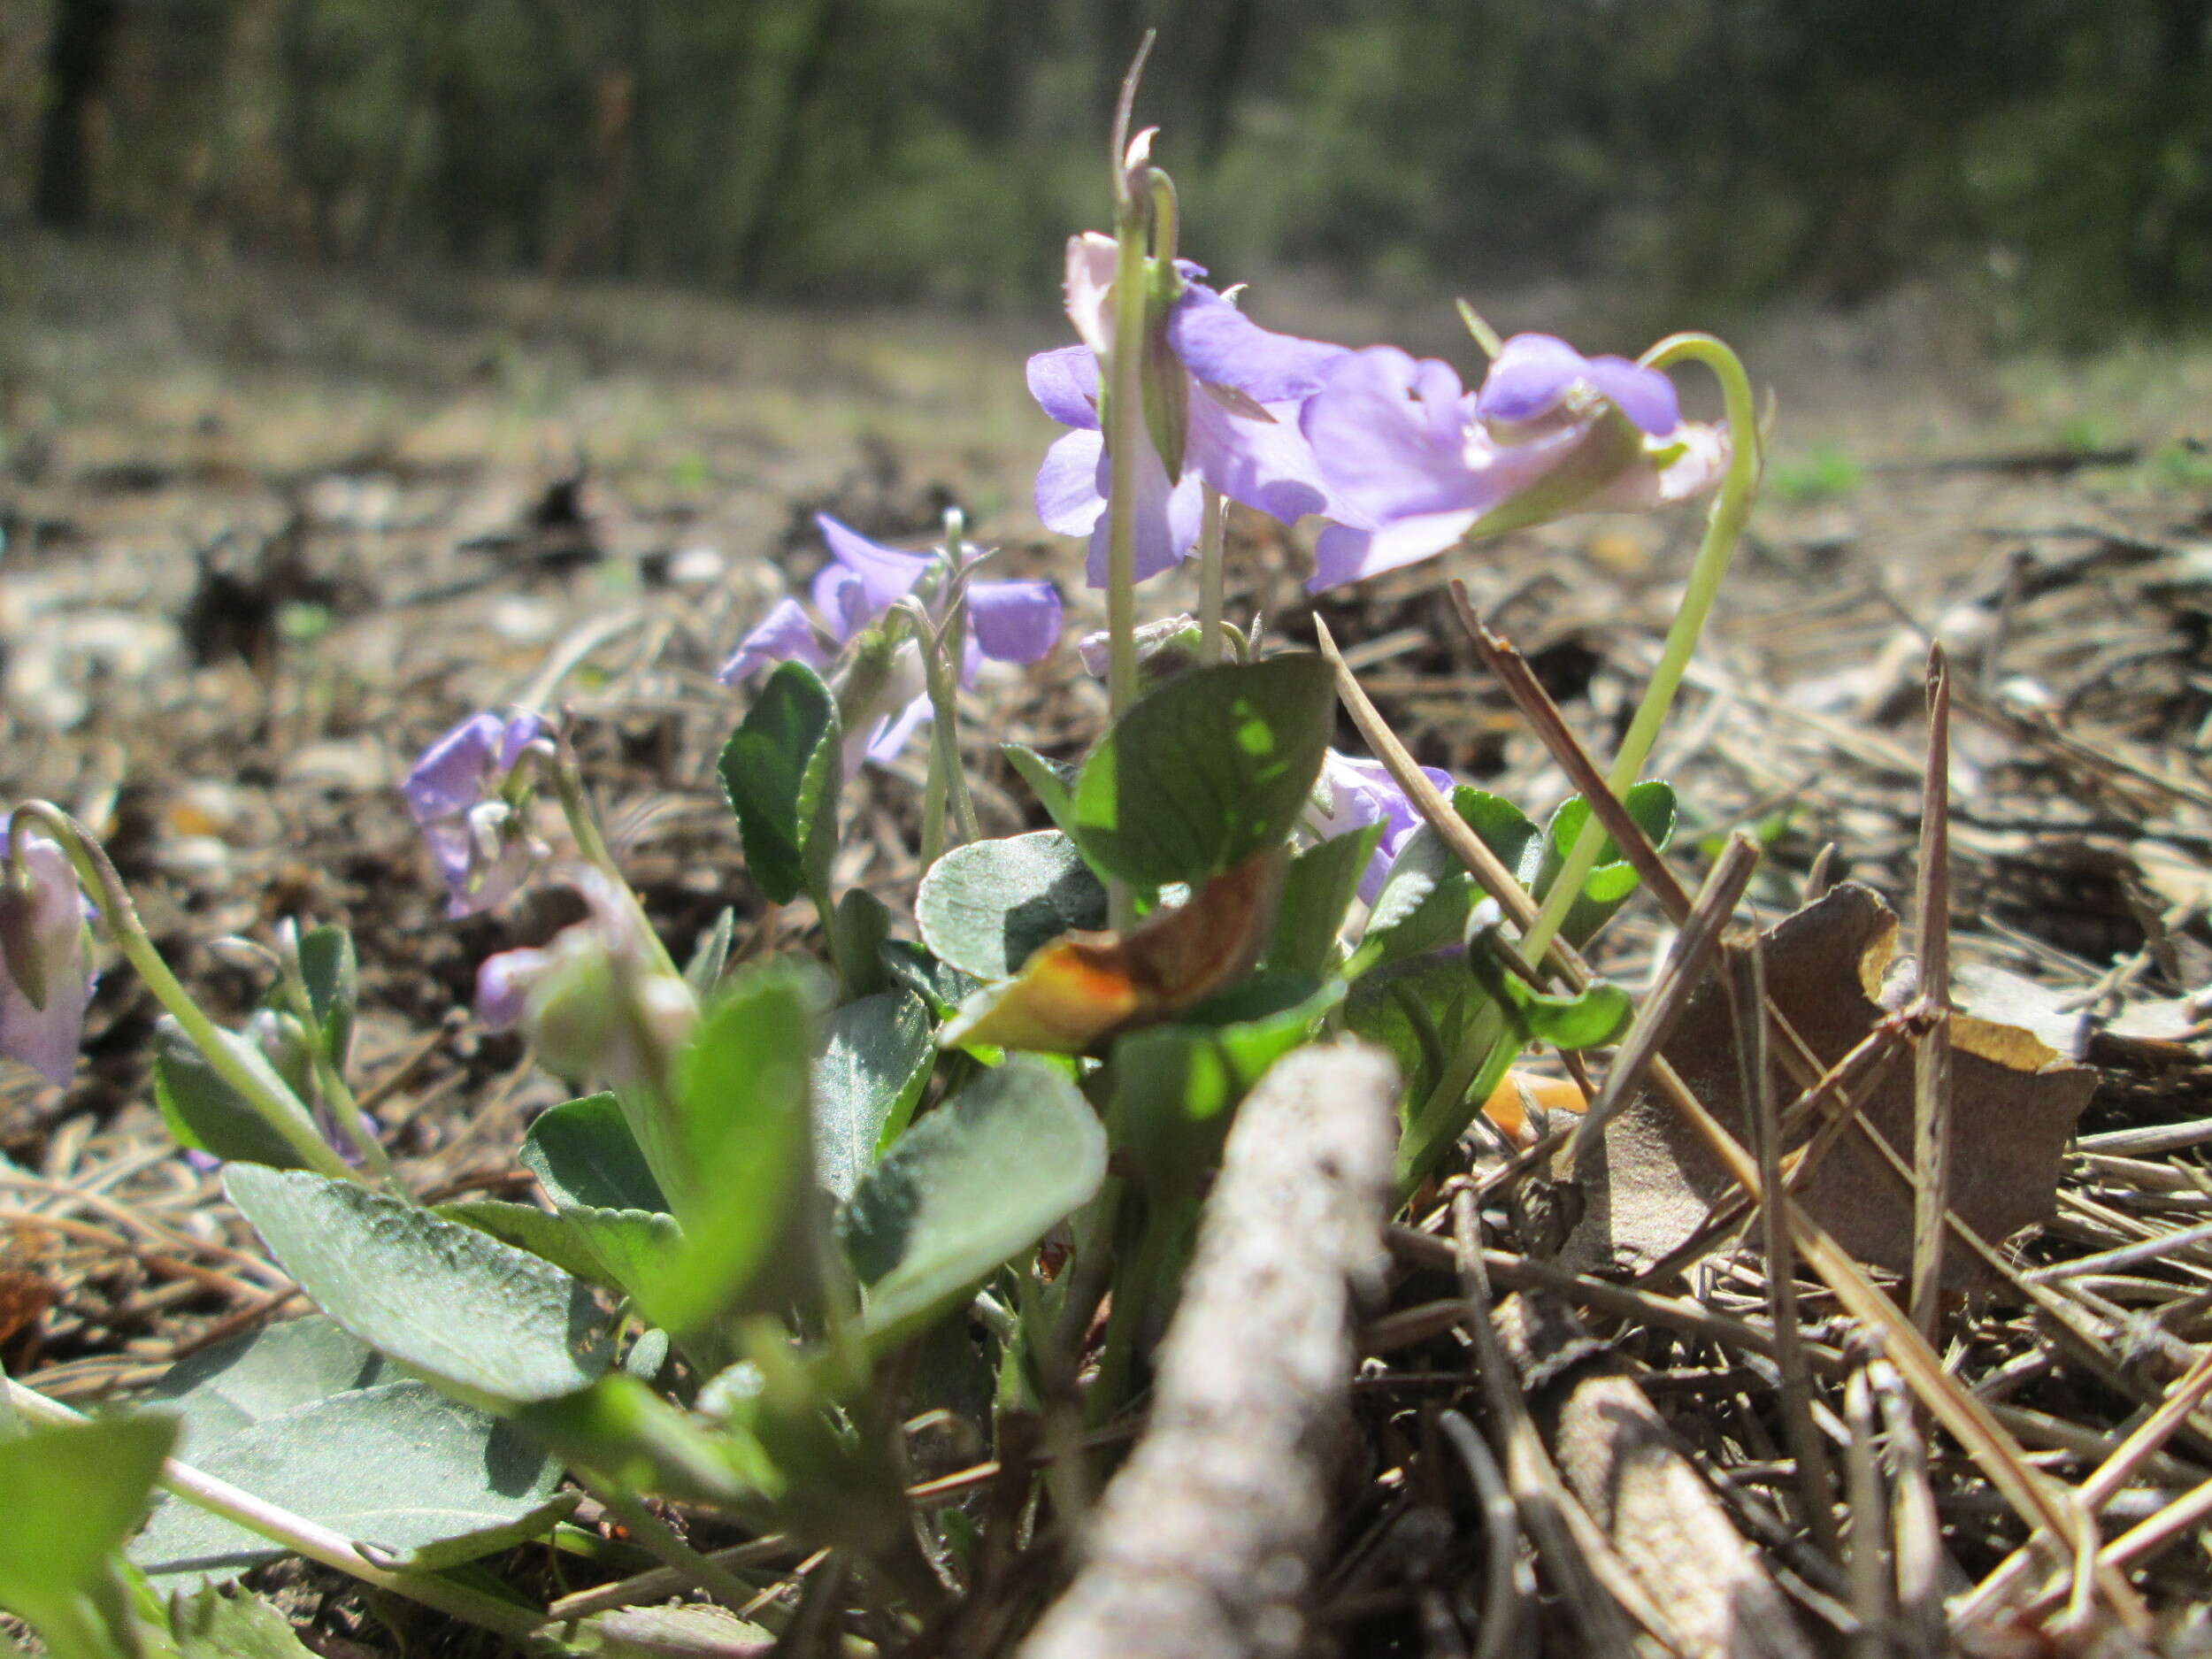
(1203, 1545)
(1645, 1495)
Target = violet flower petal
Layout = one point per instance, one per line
(841, 599)
(450, 776)
(1269, 466)
(892, 731)
(1068, 498)
(888, 573)
(47, 1038)
(503, 983)
(1167, 516)
(1390, 436)
(1014, 622)
(1217, 341)
(1064, 383)
(1533, 373)
(784, 635)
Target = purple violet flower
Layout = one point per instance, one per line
(1418, 464)
(480, 843)
(1243, 387)
(1008, 622)
(1361, 792)
(47, 981)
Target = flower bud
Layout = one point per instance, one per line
(48, 980)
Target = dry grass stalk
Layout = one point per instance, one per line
(1932, 1058)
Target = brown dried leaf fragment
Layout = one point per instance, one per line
(1831, 969)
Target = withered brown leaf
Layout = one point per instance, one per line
(1649, 1185)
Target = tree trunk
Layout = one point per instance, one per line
(78, 58)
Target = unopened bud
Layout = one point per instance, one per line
(18, 937)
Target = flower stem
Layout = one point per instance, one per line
(281, 1111)
(1124, 437)
(1731, 508)
(1212, 527)
(559, 764)
(304, 1537)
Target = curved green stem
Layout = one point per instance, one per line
(558, 764)
(282, 1112)
(1731, 510)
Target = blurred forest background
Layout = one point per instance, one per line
(2055, 154)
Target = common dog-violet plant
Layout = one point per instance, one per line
(794, 1207)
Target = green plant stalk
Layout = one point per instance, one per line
(1731, 510)
(1444, 1114)
(94, 868)
(591, 843)
(939, 653)
(331, 1083)
(1211, 534)
(1126, 435)
(662, 1540)
(304, 1537)
(1136, 1282)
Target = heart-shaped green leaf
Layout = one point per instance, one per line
(205, 1113)
(584, 1155)
(235, 1384)
(620, 1248)
(973, 1183)
(1212, 767)
(782, 771)
(986, 907)
(1318, 890)
(333, 986)
(1612, 879)
(871, 1070)
(490, 1324)
(397, 1465)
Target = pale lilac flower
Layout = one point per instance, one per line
(569, 995)
(1418, 464)
(1243, 388)
(1008, 622)
(1360, 792)
(481, 845)
(48, 979)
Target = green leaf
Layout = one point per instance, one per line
(710, 955)
(234, 1384)
(1176, 1086)
(1418, 1009)
(74, 1493)
(1318, 889)
(1612, 879)
(620, 1248)
(1426, 898)
(987, 906)
(941, 985)
(205, 1113)
(1214, 766)
(1592, 1015)
(1051, 782)
(870, 1072)
(209, 1625)
(977, 1182)
(333, 986)
(857, 931)
(669, 1632)
(584, 1155)
(397, 1465)
(782, 771)
(490, 1324)
(741, 1087)
(623, 1431)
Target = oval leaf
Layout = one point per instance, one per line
(491, 1325)
(1198, 776)
(398, 1465)
(973, 1183)
(987, 906)
(869, 1073)
(584, 1155)
(782, 771)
